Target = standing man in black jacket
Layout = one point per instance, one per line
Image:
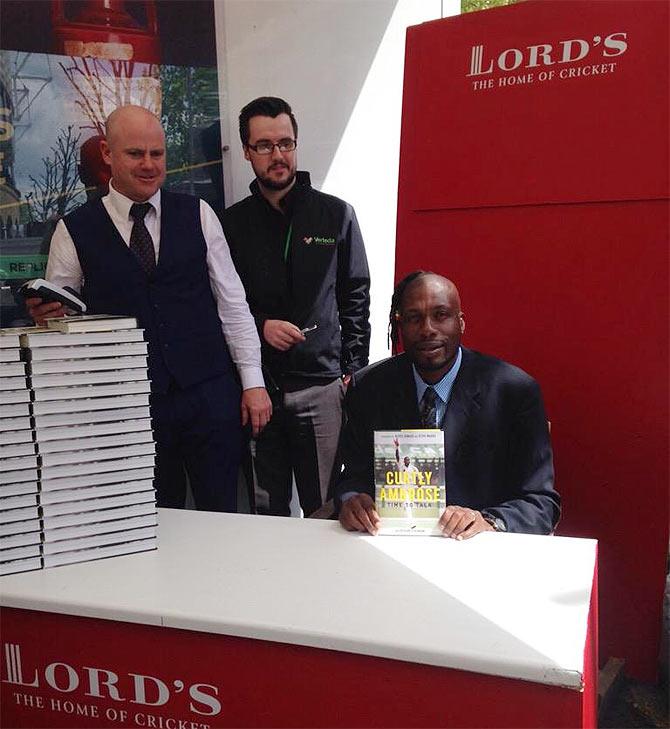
(300, 255)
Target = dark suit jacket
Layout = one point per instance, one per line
(497, 448)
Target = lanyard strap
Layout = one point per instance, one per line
(288, 241)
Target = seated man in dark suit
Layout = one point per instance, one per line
(499, 469)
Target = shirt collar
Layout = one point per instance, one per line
(122, 204)
(442, 387)
(302, 184)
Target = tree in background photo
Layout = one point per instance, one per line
(468, 6)
(190, 117)
(56, 188)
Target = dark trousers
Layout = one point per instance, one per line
(301, 439)
(198, 432)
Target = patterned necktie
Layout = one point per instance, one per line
(140, 240)
(427, 408)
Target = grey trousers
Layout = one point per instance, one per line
(301, 439)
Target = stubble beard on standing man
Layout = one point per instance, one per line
(277, 170)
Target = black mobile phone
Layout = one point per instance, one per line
(50, 292)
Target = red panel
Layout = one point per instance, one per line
(590, 695)
(257, 683)
(576, 294)
(508, 145)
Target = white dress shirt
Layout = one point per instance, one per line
(239, 328)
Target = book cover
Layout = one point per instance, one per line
(12, 383)
(18, 463)
(84, 418)
(106, 502)
(7, 553)
(92, 517)
(21, 540)
(55, 366)
(70, 450)
(70, 379)
(15, 501)
(10, 528)
(15, 410)
(18, 489)
(87, 555)
(26, 513)
(100, 540)
(128, 349)
(20, 565)
(39, 338)
(410, 489)
(9, 337)
(96, 492)
(49, 407)
(9, 437)
(102, 527)
(100, 455)
(90, 391)
(24, 474)
(17, 449)
(10, 355)
(91, 323)
(12, 369)
(12, 397)
(14, 422)
(71, 471)
(143, 471)
(88, 430)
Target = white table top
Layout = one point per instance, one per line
(502, 604)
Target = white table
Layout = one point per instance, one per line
(500, 605)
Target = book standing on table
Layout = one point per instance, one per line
(410, 491)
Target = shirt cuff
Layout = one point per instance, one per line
(347, 495)
(251, 377)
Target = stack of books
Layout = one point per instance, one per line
(92, 445)
(19, 517)
(95, 445)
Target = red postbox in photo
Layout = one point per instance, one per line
(106, 29)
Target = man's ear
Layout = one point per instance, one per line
(104, 150)
(246, 153)
(461, 320)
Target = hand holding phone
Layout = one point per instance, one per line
(45, 299)
(49, 293)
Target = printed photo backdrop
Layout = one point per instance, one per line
(59, 80)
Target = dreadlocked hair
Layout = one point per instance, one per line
(396, 301)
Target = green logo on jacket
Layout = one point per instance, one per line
(319, 240)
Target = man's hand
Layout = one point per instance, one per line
(39, 311)
(459, 522)
(256, 408)
(358, 514)
(281, 335)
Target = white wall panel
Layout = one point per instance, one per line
(339, 63)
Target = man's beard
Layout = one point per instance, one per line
(271, 184)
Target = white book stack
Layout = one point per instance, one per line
(19, 516)
(95, 446)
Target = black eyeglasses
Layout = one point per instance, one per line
(265, 146)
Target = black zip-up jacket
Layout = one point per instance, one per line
(308, 267)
